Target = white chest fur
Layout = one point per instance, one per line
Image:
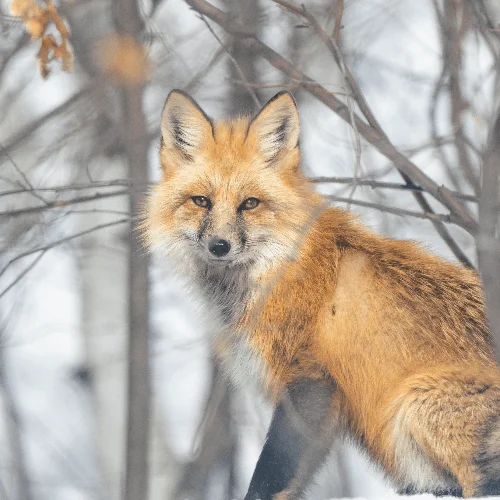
(244, 365)
(227, 292)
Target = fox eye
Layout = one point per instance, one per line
(249, 204)
(202, 201)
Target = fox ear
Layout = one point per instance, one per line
(184, 125)
(276, 127)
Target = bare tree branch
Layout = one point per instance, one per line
(61, 203)
(30, 129)
(393, 210)
(72, 187)
(198, 77)
(23, 175)
(385, 185)
(24, 272)
(60, 242)
(338, 20)
(250, 90)
(453, 37)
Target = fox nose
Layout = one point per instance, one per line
(219, 248)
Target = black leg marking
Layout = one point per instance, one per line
(452, 492)
(445, 492)
(279, 458)
(407, 490)
(296, 442)
(488, 458)
(489, 487)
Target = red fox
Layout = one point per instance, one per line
(350, 334)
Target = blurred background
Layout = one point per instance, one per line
(396, 98)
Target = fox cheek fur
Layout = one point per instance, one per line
(351, 334)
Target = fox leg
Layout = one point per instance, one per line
(299, 438)
(440, 432)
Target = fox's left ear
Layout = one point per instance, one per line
(276, 127)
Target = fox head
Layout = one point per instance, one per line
(232, 192)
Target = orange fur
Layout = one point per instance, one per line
(401, 331)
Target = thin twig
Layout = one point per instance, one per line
(452, 40)
(291, 85)
(448, 218)
(74, 187)
(354, 93)
(21, 136)
(16, 167)
(53, 244)
(22, 174)
(357, 147)
(488, 244)
(339, 59)
(433, 105)
(21, 275)
(235, 63)
(385, 185)
(338, 20)
(61, 203)
(196, 79)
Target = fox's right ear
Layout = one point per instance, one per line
(184, 125)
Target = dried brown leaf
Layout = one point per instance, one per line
(36, 20)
